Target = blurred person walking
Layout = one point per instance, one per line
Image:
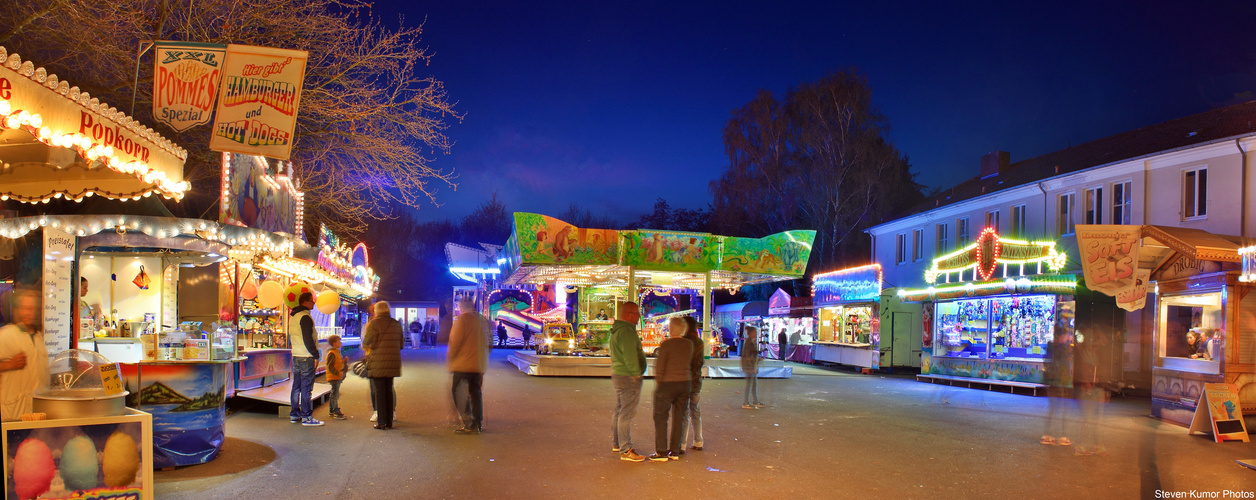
(1057, 377)
(693, 417)
(501, 334)
(627, 368)
(468, 360)
(1091, 392)
(23, 358)
(384, 340)
(672, 370)
(750, 368)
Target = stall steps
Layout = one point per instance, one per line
(989, 383)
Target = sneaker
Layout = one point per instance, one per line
(1047, 440)
(675, 456)
(696, 447)
(338, 416)
(658, 457)
(1064, 442)
(374, 416)
(748, 406)
(760, 405)
(615, 449)
(631, 456)
(311, 422)
(294, 420)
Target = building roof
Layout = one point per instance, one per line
(1202, 128)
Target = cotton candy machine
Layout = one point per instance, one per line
(76, 388)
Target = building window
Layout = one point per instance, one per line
(1121, 203)
(992, 220)
(1094, 206)
(900, 248)
(961, 232)
(1065, 223)
(1018, 221)
(943, 238)
(917, 244)
(1195, 193)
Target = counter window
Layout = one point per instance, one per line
(1192, 327)
(846, 324)
(1006, 328)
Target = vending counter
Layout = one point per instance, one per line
(186, 400)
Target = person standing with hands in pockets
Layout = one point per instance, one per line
(627, 367)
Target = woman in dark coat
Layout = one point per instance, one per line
(383, 341)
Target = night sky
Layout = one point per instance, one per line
(611, 105)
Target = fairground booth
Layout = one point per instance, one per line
(1194, 289)
(669, 273)
(847, 309)
(993, 310)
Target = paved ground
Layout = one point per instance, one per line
(824, 435)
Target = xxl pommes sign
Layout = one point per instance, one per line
(186, 80)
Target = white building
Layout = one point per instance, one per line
(1192, 172)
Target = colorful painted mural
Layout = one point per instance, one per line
(546, 240)
(186, 401)
(980, 368)
(83, 458)
(784, 254)
(252, 196)
(667, 251)
(508, 300)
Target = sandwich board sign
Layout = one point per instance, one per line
(1219, 411)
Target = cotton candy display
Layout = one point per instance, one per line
(33, 469)
(79, 467)
(121, 460)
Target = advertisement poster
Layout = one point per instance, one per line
(258, 101)
(186, 76)
(253, 196)
(101, 458)
(1219, 411)
(58, 271)
(1135, 297)
(1109, 255)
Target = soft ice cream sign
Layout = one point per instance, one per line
(1109, 255)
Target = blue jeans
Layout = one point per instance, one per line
(334, 403)
(694, 420)
(302, 386)
(627, 394)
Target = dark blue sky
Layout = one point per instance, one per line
(611, 105)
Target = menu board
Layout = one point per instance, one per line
(58, 271)
(1219, 411)
(169, 297)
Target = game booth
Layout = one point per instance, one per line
(1194, 288)
(663, 270)
(847, 309)
(993, 311)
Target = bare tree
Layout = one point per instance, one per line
(370, 122)
(817, 160)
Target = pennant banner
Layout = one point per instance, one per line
(258, 101)
(186, 78)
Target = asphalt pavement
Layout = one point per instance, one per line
(824, 434)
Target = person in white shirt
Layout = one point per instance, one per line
(23, 359)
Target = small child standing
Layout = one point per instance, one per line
(335, 375)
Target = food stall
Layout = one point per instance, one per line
(995, 307)
(848, 316)
(82, 442)
(1183, 282)
(543, 251)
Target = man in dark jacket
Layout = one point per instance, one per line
(783, 339)
(304, 347)
(694, 416)
(501, 334)
(383, 340)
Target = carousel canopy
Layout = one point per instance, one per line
(543, 249)
(59, 142)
